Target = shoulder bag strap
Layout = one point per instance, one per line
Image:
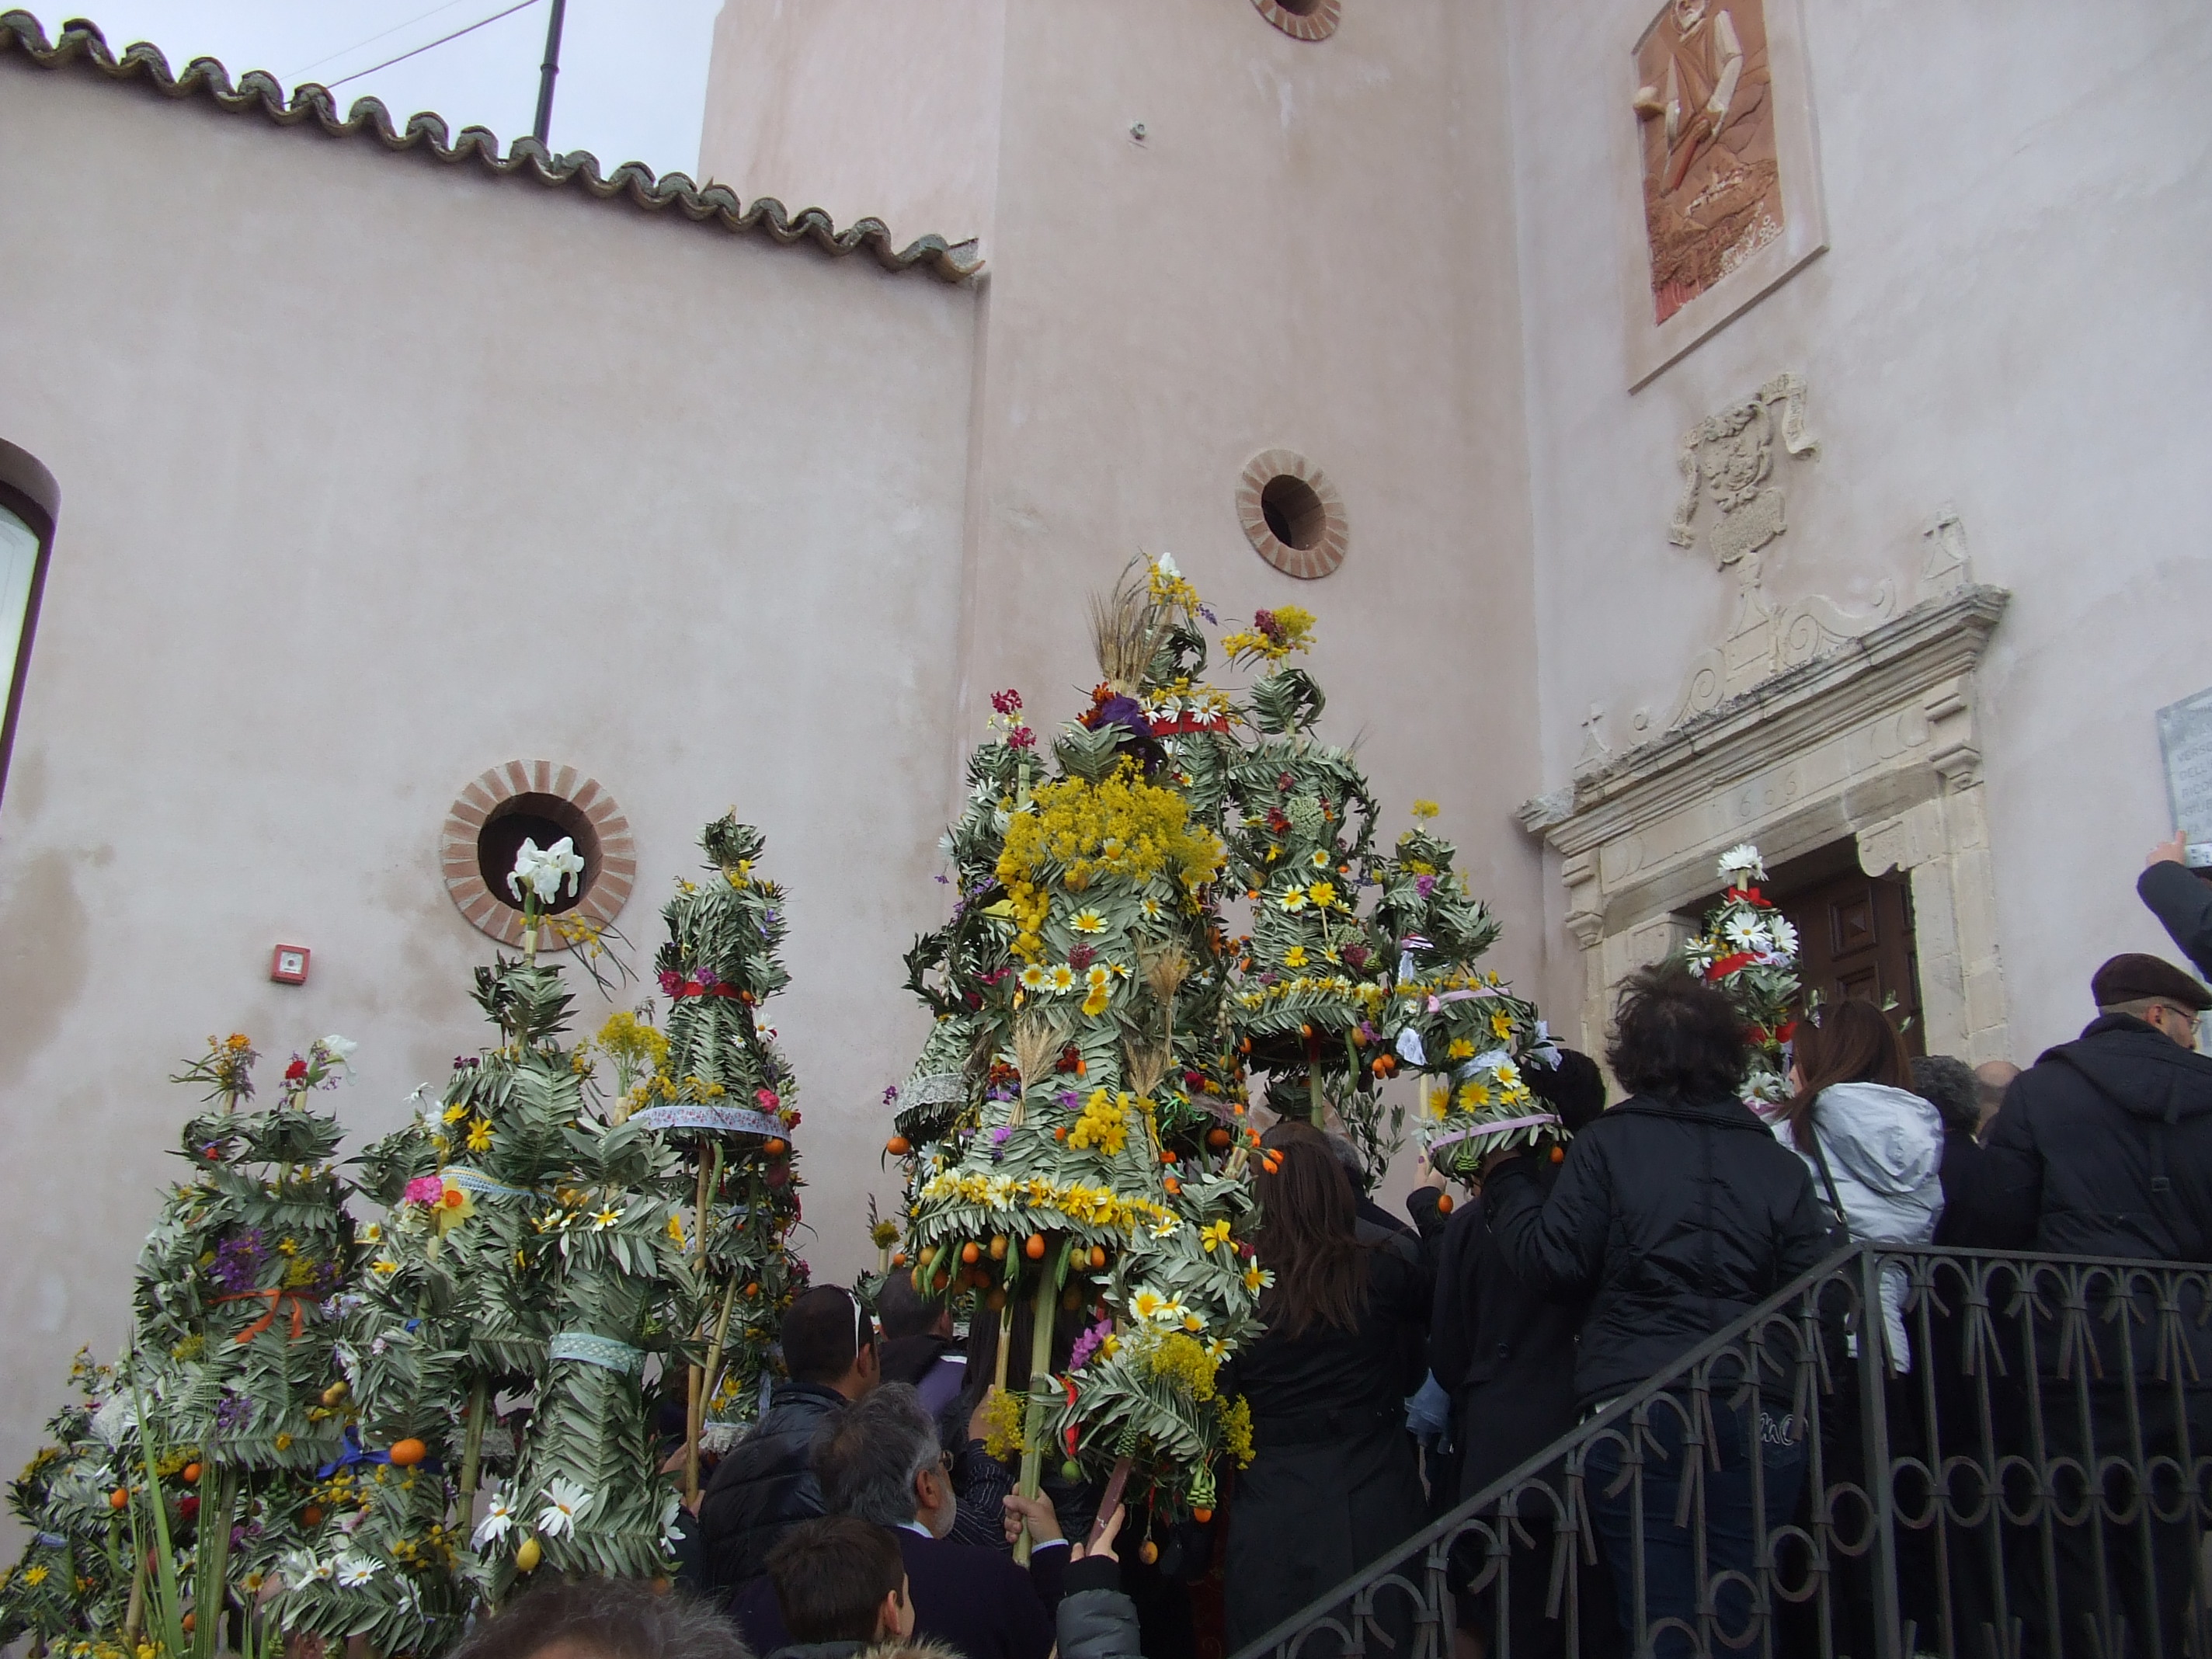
(1827, 1176)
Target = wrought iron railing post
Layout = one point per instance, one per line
(1873, 1432)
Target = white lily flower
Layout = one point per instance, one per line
(566, 1503)
(354, 1571)
(1165, 565)
(546, 871)
(340, 1049)
(498, 1521)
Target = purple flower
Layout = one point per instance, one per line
(1089, 1344)
(1425, 885)
(705, 978)
(1067, 1098)
(238, 1261)
(891, 1094)
(1206, 611)
(944, 881)
(232, 1412)
(999, 1135)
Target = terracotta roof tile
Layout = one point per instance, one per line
(258, 91)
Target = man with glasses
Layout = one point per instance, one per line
(766, 1484)
(2104, 1148)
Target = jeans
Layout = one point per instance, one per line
(1671, 1590)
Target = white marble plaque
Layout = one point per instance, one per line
(2184, 736)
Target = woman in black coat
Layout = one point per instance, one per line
(1676, 1213)
(1334, 1482)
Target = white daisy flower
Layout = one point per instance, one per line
(498, 1521)
(565, 1503)
(354, 1571)
(1745, 932)
(1743, 859)
(1785, 935)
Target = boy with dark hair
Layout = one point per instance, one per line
(766, 1484)
(841, 1585)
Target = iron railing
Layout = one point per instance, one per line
(2043, 1484)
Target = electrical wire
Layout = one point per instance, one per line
(440, 41)
(301, 73)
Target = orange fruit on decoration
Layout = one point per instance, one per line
(1444, 1204)
(1150, 1554)
(312, 1515)
(777, 1148)
(1201, 1515)
(1034, 1247)
(998, 1248)
(1173, 1186)
(119, 1499)
(971, 1252)
(191, 1619)
(1097, 1256)
(1217, 1138)
(192, 1474)
(898, 1146)
(405, 1454)
(1559, 1154)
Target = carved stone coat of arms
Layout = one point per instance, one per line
(1728, 459)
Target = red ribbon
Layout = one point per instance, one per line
(1748, 895)
(688, 988)
(1728, 964)
(275, 1299)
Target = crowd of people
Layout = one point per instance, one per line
(1407, 1368)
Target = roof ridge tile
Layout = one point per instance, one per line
(82, 41)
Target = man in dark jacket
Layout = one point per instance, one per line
(1676, 1213)
(2104, 1147)
(917, 1345)
(767, 1483)
(2181, 899)
(881, 1463)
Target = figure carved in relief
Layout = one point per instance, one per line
(1713, 193)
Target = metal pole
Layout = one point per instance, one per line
(1873, 1436)
(551, 68)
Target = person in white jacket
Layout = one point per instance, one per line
(1875, 1147)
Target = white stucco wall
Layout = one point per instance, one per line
(376, 472)
(2011, 318)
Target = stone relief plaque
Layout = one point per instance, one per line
(1721, 198)
(2184, 738)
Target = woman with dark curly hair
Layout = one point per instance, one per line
(1676, 1213)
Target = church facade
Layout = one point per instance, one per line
(1690, 423)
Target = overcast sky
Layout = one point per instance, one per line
(633, 80)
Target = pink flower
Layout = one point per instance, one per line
(669, 979)
(769, 1100)
(426, 1190)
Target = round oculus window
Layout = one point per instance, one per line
(1302, 20)
(1291, 513)
(540, 802)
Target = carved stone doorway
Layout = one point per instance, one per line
(1867, 750)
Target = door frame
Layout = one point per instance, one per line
(1874, 742)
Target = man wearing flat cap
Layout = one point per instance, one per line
(2104, 1147)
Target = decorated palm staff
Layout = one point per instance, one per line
(1452, 1023)
(1082, 1176)
(69, 1588)
(1749, 949)
(1313, 974)
(720, 1092)
(233, 1335)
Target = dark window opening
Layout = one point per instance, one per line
(1294, 511)
(543, 819)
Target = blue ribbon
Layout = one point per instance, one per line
(353, 1454)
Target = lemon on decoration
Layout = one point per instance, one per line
(527, 1558)
(334, 1393)
(405, 1454)
(998, 1248)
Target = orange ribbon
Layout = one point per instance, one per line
(276, 1297)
